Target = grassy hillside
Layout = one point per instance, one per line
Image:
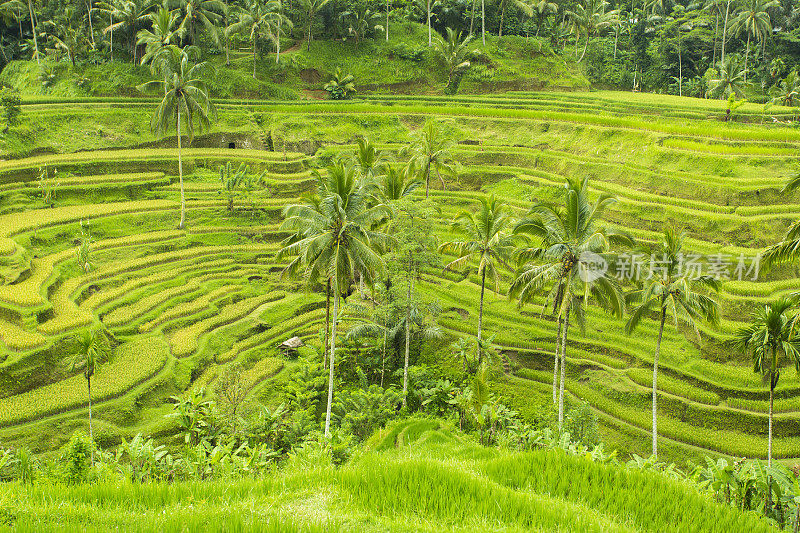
(417, 476)
(196, 300)
(404, 65)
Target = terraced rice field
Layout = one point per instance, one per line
(188, 302)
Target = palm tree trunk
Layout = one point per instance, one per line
(502, 15)
(278, 44)
(430, 41)
(333, 353)
(180, 171)
(383, 354)
(563, 373)
(387, 21)
(111, 38)
(91, 26)
(616, 38)
(725, 30)
(768, 506)
(655, 382)
(254, 58)
(91, 434)
(327, 322)
(746, 57)
(408, 337)
(33, 30)
(555, 364)
(483, 22)
(585, 47)
(769, 437)
(680, 66)
(716, 36)
(480, 316)
(427, 178)
(471, 18)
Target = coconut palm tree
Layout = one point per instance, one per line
(361, 21)
(754, 20)
(591, 18)
(543, 9)
(342, 86)
(788, 250)
(131, 15)
(732, 78)
(196, 13)
(670, 291)
(383, 326)
(525, 7)
(432, 150)
(14, 9)
(310, 8)
(455, 52)
(395, 183)
(771, 339)
(369, 160)
(91, 351)
(487, 242)
(259, 21)
(333, 240)
(162, 33)
(111, 10)
(786, 91)
(186, 99)
(571, 241)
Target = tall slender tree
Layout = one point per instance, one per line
(259, 20)
(754, 20)
(487, 241)
(772, 341)
(131, 15)
(432, 150)
(162, 32)
(201, 13)
(186, 100)
(571, 239)
(670, 292)
(332, 242)
(91, 351)
(310, 9)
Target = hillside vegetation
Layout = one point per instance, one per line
(200, 298)
(419, 475)
(403, 65)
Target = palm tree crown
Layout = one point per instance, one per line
(432, 151)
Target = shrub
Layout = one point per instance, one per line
(10, 102)
(76, 458)
(581, 424)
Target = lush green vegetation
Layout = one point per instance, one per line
(225, 279)
(416, 475)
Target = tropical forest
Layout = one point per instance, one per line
(400, 266)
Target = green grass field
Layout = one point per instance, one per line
(417, 475)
